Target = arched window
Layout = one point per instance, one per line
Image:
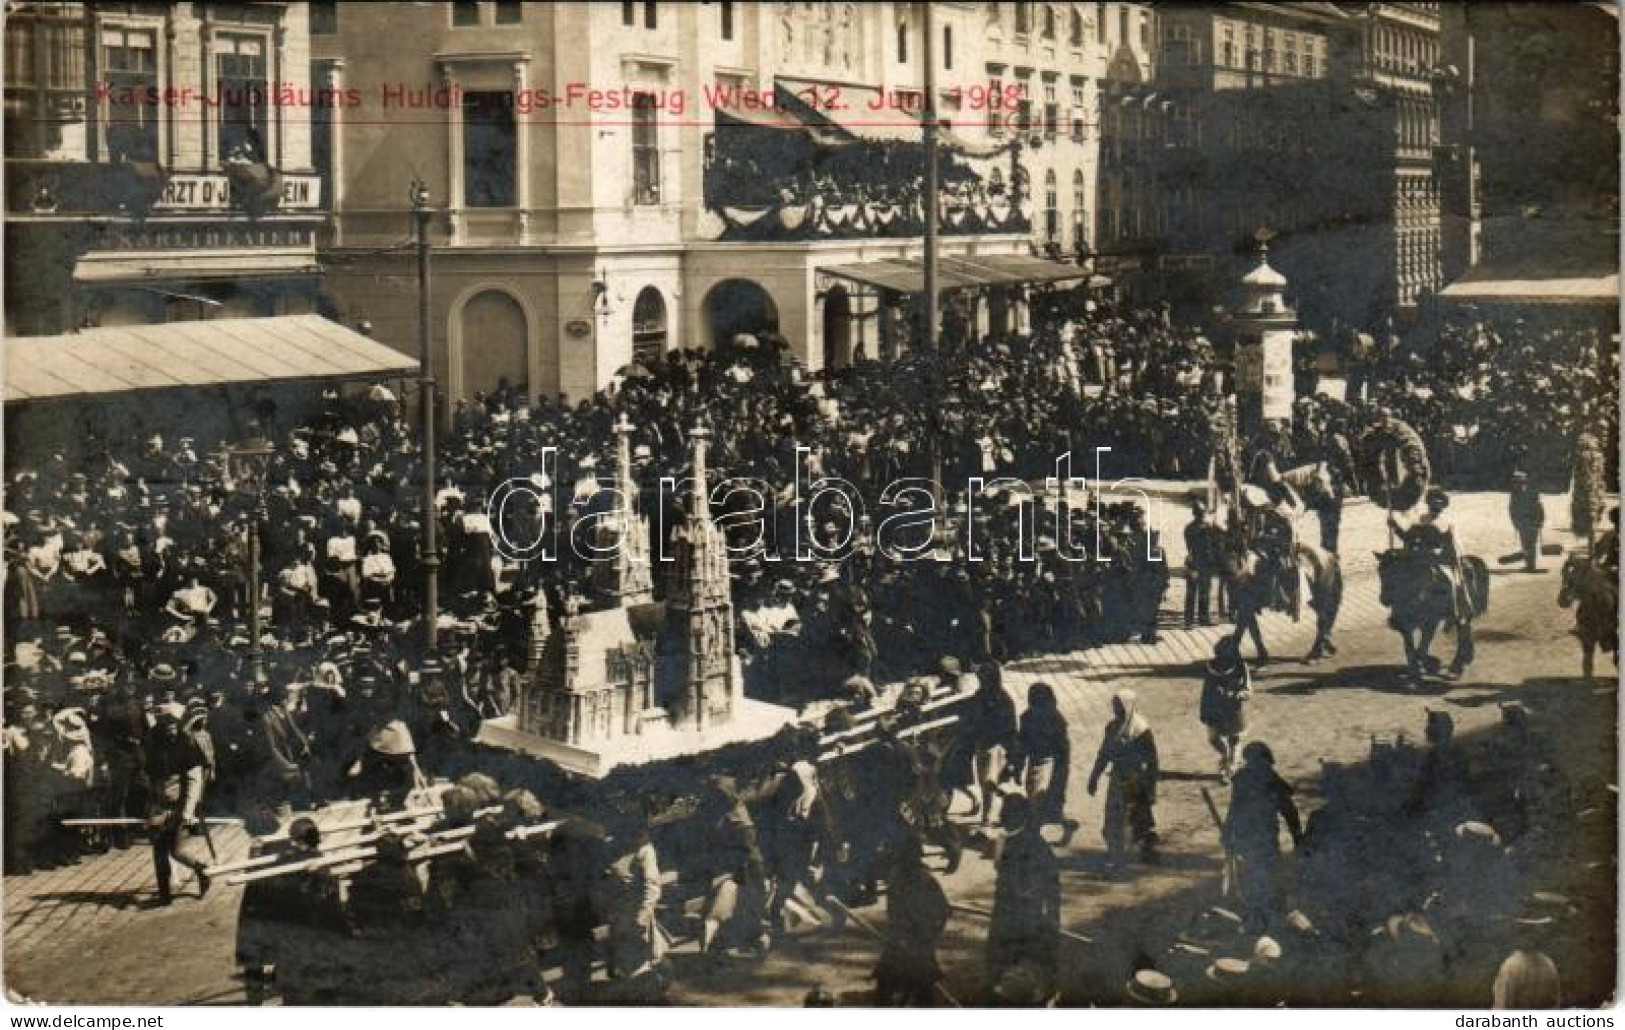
(1049, 21)
(1075, 32)
(902, 42)
(648, 326)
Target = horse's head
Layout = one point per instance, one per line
(1571, 580)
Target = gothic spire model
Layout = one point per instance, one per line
(624, 578)
(701, 607)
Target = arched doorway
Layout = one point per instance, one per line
(739, 306)
(837, 327)
(648, 327)
(495, 340)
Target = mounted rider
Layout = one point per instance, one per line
(1272, 509)
(1431, 537)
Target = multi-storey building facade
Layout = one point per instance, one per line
(615, 180)
(158, 164)
(1313, 122)
(1399, 50)
(1531, 139)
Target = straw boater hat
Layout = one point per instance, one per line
(1149, 987)
(1228, 970)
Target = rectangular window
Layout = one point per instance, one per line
(465, 14)
(651, 15)
(1024, 107)
(645, 150)
(1077, 93)
(130, 68)
(948, 47)
(726, 15)
(995, 113)
(1292, 62)
(510, 13)
(1024, 18)
(321, 125)
(1122, 27)
(324, 17)
(490, 149)
(241, 93)
(629, 12)
(1052, 111)
(1309, 65)
(1100, 23)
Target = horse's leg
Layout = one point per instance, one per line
(1257, 633)
(1424, 646)
(1464, 647)
(1413, 664)
(1588, 648)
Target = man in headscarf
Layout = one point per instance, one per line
(1129, 750)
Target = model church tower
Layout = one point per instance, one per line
(623, 579)
(700, 614)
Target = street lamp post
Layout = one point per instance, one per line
(250, 462)
(421, 213)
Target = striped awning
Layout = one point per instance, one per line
(907, 275)
(128, 358)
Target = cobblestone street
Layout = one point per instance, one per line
(86, 934)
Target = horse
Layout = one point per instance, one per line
(1251, 582)
(1418, 595)
(1313, 485)
(1596, 618)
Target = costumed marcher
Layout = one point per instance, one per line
(916, 914)
(1042, 760)
(1227, 684)
(1259, 802)
(1024, 937)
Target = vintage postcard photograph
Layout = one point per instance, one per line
(840, 505)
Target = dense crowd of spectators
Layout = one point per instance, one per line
(127, 573)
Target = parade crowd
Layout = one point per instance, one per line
(134, 683)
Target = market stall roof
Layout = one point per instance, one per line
(907, 275)
(127, 358)
(1487, 285)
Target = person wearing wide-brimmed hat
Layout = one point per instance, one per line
(176, 770)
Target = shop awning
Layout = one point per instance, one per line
(124, 266)
(123, 359)
(907, 275)
(1488, 287)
